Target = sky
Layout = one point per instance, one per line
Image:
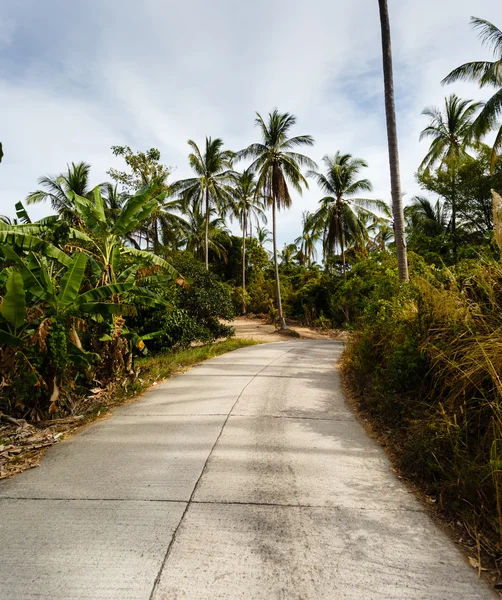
(79, 77)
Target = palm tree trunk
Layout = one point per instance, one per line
(206, 233)
(342, 245)
(454, 211)
(282, 322)
(244, 233)
(250, 223)
(390, 113)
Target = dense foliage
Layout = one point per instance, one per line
(425, 363)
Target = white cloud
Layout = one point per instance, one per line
(160, 73)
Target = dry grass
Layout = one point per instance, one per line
(428, 372)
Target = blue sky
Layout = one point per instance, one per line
(76, 78)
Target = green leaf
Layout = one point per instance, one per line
(37, 281)
(92, 216)
(28, 242)
(99, 207)
(72, 279)
(152, 259)
(8, 339)
(129, 275)
(10, 254)
(21, 213)
(148, 300)
(141, 203)
(105, 309)
(14, 302)
(82, 357)
(103, 292)
(152, 335)
(76, 234)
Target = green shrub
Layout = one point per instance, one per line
(425, 363)
(195, 310)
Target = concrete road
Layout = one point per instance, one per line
(245, 478)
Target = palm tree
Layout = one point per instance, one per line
(340, 217)
(384, 236)
(390, 113)
(450, 131)
(56, 188)
(451, 134)
(210, 188)
(486, 74)
(288, 254)
(246, 205)
(277, 164)
(307, 241)
(427, 218)
(199, 234)
(263, 236)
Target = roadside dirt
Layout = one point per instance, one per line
(259, 330)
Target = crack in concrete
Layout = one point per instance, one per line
(190, 500)
(218, 503)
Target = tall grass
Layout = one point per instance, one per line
(427, 367)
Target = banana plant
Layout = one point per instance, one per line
(41, 311)
(104, 237)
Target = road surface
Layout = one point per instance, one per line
(246, 478)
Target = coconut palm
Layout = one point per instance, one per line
(199, 234)
(384, 236)
(450, 131)
(486, 74)
(288, 254)
(390, 114)
(246, 206)
(340, 215)
(210, 189)
(277, 165)
(263, 236)
(427, 218)
(56, 189)
(307, 241)
(451, 134)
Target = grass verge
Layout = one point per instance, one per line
(23, 444)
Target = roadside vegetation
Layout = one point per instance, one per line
(146, 266)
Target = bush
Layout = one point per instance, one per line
(425, 363)
(195, 314)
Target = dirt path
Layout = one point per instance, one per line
(257, 329)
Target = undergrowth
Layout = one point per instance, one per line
(425, 364)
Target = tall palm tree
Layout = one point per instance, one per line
(307, 241)
(210, 188)
(340, 217)
(55, 189)
(451, 134)
(277, 165)
(247, 204)
(390, 114)
(450, 131)
(486, 74)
